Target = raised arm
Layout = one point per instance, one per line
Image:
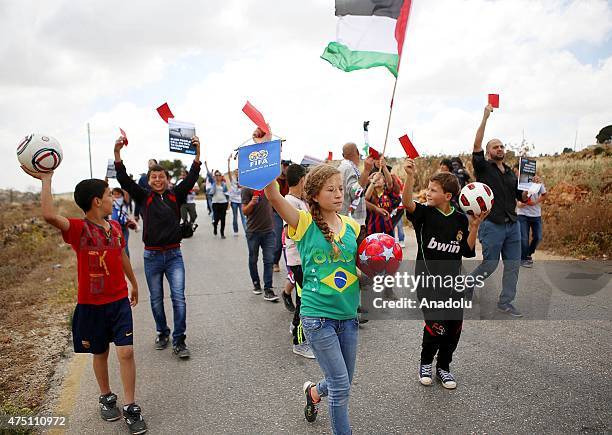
(407, 200)
(194, 172)
(46, 201)
(368, 164)
(284, 209)
(229, 173)
(481, 129)
(386, 174)
(126, 182)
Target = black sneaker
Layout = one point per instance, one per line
(269, 295)
(311, 409)
(161, 341)
(180, 349)
(256, 289)
(360, 313)
(425, 374)
(133, 419)
(288, 302)
(447, 378)
(108, 407)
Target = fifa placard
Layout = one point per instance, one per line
(259, 164)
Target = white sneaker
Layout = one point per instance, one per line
(303, 350)
(402, 244)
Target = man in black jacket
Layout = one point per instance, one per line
(500, 233)
(161, 235)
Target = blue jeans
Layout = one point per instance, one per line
(400, 230)
(169, 263)
(278, 237)
(535, 225)
(504, 239)
(237, 210)
(334, 343)
(265, 240)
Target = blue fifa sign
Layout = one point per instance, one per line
(259, 164)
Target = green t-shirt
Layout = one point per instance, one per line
(330, 286)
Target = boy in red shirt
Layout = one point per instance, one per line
(103, 314)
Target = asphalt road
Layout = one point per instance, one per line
(515, 376)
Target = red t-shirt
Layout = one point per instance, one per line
(100, 271)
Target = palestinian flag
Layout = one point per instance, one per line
(370, 33)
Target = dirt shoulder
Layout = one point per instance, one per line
(37, 297)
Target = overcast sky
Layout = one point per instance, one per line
(111, 63)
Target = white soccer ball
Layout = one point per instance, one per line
(39, 153)
(476, 198)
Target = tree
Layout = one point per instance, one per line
(174, 167)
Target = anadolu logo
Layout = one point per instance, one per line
(258, 158)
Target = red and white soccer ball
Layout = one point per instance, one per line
(379, 254)
(476, 198)
(39, 153)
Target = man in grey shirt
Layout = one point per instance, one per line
(354, 182)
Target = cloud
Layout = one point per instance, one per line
(111, 63)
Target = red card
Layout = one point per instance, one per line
(165, 112)
(124, 135)
(374, 154)
(330, 156)
(408, 147)
(255, 116)
(494, 100)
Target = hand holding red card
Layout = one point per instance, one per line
(256, 116)
(374, 154)
(125, 139)
(494, 100)
(408, 147)
(165, 112)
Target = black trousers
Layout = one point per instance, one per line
(441, 337)
(298, 332)
(219, 211)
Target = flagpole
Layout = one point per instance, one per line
(390, 112)
(404, 15)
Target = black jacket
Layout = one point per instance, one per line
(504, 186)
(161, 213)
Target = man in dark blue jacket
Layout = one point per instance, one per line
(161, 235)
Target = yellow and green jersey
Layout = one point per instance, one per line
(330, 288)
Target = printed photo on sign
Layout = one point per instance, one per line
(180, 136)
(527, 170)
(259, 164)
(110, 169)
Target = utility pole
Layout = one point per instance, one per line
(89, 144)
